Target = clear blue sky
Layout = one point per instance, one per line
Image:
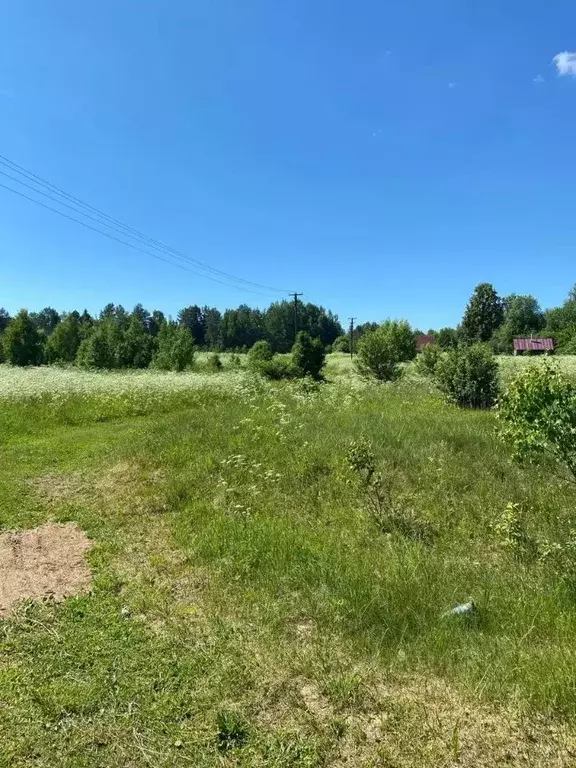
(383, 158)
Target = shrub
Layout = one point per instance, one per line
(276, 368)
(512, 534)
(468, 376)
(175, 349)
(260, 353)
(94, 351)
(235, 361)
(385, 503)
(214, 363)
(447, 338)
(341, 344)
(537, 416)
(428, 359)
(308, 356)
(381, 351)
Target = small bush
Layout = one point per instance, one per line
(260, 353)
(341, 344)
(512, 534)
(468, 376)
(384, 501)
(380, 352)
(427, 360)
(276, 368)
(308, 356)
(214, 363)
(175, 350)
(537, 416)
(235, 361)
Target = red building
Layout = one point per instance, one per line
(533, 346)
(423, 340)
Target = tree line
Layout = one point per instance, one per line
(496, 321)
(117, 338)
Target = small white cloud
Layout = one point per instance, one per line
(377, 132)
(565, 63)
(451, 86)
(538, 80)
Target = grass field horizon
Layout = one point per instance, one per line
(248, 607)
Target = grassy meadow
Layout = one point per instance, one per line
(250, 609)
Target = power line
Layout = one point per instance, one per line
(123, 242)
(115, 224)
(102, 223)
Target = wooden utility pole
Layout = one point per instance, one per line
(351, 336)
(295, 312)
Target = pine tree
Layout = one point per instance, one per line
(484, 315)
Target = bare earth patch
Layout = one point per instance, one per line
(49, 561)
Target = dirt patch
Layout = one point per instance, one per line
(49, 561)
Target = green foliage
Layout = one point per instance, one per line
(468, 376)
(192, 318)
(94, 351)
(427, 360)
(380, 352)
(537, 415)
(214, 363)
(241, 328)
(21, 341)
(384, 501)
(561, 324)
(341, 344)
(512, 534)
(46, 320)
(522, 317)
(232, 731)
(4, 320)
(235, 361)
(134, 347)
(277, 368)
(175, 351)
(261, 352)
(447, 338)
(484, 315)
(308, 356)
(64, 341)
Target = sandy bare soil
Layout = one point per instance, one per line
(49, 561)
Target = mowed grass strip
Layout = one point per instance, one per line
(247, 608)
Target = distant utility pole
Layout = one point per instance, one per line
(295, 312)
(351, 336)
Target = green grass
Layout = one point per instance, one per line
(269, 621)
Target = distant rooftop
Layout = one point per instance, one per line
(526, 344)
(423, 339)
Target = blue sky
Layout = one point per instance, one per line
(383, 158)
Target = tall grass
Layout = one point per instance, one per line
(225, 515)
